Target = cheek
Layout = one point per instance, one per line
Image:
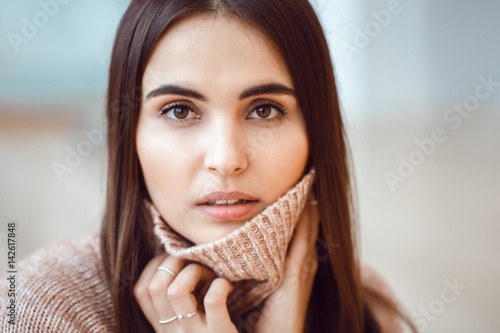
(282, 162)
(164, 165)
(288, 146)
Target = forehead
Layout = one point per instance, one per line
(214, 51)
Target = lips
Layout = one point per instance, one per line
(228, 205)
(225, 198)
(226, 202)
(230, 212)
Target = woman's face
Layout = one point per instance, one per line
(218, 114)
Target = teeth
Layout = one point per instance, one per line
(225, 202)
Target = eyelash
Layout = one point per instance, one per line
(282, 112)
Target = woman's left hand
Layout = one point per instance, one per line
(285, 310)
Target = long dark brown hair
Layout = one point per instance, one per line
(339, 301)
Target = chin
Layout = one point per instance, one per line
(220, 231)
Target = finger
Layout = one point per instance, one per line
(159, 284)
(180, 294)
(313, 211)
(217, 314)
(301, 254)
(299, 243)
(315, 221)
(310, 263)
(141, 288)
(312, 196)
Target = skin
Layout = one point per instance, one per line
(225, 143)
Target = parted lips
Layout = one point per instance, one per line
(252, 256)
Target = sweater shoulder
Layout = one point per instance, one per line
(60, 288)
(373, 280)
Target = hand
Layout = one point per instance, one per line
(285, 310)
(162, 296)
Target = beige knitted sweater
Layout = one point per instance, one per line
(62, 288)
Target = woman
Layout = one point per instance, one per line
(209, 52)
(211, 96)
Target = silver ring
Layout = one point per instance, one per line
(313, 202)
(189, 315)
(167, 270)
(168, 320)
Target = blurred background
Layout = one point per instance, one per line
(420, 90)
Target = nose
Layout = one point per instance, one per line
(225, 154)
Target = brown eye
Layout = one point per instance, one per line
(177, 112)
(268, 112)
(263, 111)
(180, 112)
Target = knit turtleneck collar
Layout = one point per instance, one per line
(252, 256)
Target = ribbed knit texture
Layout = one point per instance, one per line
(253, 255)
(61, 288)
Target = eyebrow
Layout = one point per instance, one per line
(269, 88)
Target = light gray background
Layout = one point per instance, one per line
(441, 224)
